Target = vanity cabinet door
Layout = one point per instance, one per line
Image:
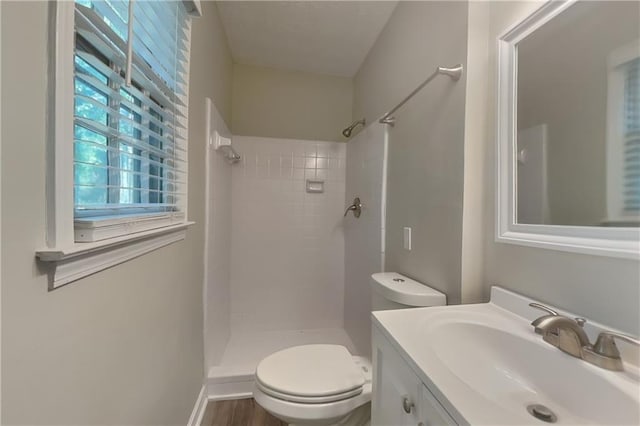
(396, 388)
(431, 412)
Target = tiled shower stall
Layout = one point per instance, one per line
(275, 251)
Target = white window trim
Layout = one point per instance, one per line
(68, 259)
(621, 242)
(615, 138)
(83, 259)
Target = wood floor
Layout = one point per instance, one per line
(238, 412)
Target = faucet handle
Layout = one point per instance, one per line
(581, 321)
(604, 353)
(543, 308)
(356, 208)
(605, 343)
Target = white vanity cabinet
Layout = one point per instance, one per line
(399, 396)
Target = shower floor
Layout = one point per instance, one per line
(233, 377)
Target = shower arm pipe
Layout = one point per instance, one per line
(231, 155)
(454, 73)
(223, 145)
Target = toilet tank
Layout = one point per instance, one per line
(394, 291)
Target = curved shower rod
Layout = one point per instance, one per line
(454, 73)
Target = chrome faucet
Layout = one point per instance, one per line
(562, 332)
(568, 335)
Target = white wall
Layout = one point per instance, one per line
(364, 236)
(216, 58)
(290, 104)
(426, 147)
(476, 127)
(287, 255)
(123, 346)
(604, 289)
(217, 275)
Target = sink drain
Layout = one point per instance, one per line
(541, 412)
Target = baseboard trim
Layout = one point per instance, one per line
(219, 391)
(240, 395)
(199, 408)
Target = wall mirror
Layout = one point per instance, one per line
(569, 129)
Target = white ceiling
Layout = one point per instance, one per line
(327, 37)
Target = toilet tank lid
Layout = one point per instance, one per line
(404, 290)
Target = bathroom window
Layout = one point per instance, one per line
(623, 137)
(117, 157)
(129, 116)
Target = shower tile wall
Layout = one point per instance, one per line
(287, 248)
(364, 237)
(217, 250)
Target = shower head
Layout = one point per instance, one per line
(347, 132)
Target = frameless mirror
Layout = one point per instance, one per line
(569, 127)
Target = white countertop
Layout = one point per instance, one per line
(492, 383)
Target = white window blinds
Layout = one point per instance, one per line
(130, 147)
(631, 134)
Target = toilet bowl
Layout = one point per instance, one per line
(325, 384)
(315, 385)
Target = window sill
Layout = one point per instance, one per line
(630, 222)
(100, 228)
(68, 264)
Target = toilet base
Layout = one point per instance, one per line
(361, 416)
(354, 411)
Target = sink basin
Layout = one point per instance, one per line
(514, 372)
(487, 366)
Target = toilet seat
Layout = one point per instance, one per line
(308, 399)
(311, 374)
(313, 384)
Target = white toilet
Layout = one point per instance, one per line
(325, 384)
